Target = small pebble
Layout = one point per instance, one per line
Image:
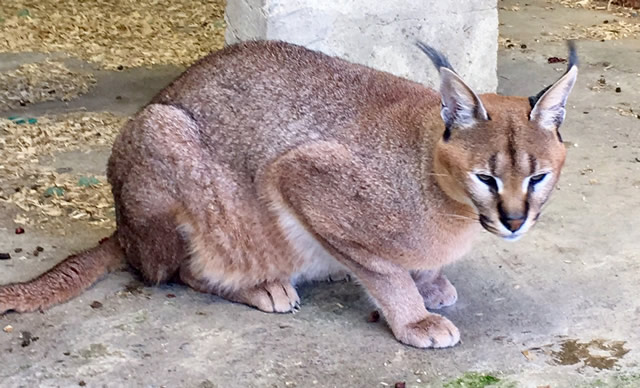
(95, 304)
(39, 249)
(374, 317)
(400, 385)
(82, 383)
(19, 230)
(618, 89)
(523, 46)
(27, 338)
(556, 60)
(17, 250)
(5, 256)
(171, 296)
(8, 329)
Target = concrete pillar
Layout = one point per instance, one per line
(380, 33)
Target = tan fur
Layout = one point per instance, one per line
(266, 164)
(64, 281)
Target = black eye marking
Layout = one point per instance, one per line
(489, 181)
(534, 180)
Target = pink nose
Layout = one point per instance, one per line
(514, 225)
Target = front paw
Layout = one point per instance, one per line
(437, 293)
(434, 331)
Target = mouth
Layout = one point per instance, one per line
(512, 237)
(487, 225)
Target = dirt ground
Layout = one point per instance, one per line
(557, 309)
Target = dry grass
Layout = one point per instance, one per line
(43, 195)
(114, 34)
(621, 7)
(38, 82)
(612, 30)
(621, 25)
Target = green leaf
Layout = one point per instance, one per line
(88, 181)
(472, 380)
(24, 13)
(54, 191)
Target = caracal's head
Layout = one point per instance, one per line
(501, 155)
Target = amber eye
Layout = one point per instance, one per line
(488, 180)
(534, 180)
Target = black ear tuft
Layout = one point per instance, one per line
(573, 54)
(438, 59)
(572, 61)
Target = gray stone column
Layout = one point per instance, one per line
(380, 33)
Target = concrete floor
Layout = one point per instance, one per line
(559, 308)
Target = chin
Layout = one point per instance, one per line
(513, 237)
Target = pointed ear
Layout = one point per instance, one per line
(548, 107)
(461, 107)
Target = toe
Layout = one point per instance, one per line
(434, 331)
(258, 298)
(284, 296)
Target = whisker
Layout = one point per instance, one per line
(470, 212)
(458, 216)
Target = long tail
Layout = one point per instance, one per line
(64, 281)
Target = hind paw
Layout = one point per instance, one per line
(437, 291)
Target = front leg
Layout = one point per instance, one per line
(368, 218)
(403, 308)
(436, 290)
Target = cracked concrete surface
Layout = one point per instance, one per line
(558, 308)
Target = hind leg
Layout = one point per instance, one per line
(270, 297)
(152, 246)
(149, 162)
(436, 290)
